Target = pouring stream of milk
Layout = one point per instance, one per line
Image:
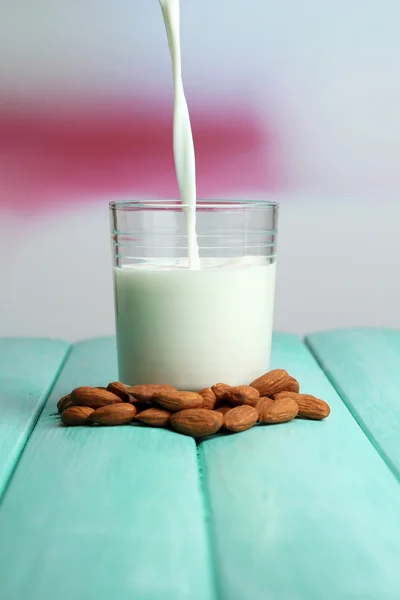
(183, 138)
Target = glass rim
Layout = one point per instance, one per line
(200, 204)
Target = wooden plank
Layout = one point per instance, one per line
(28, 368)
(364, 367)
(304, 510)
(98, 513)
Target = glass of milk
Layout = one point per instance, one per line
(193, 327)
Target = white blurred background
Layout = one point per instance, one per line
(320, 80)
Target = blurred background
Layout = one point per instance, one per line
(294, 101)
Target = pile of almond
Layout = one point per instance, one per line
(272, 398)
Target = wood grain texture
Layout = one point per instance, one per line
(28, 368)
(304, 510)
(364, 367)
(99, 513)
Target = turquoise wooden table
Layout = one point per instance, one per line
(300, 511)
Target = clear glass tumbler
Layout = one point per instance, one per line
(192, 328)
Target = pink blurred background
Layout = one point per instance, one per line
(291, 101)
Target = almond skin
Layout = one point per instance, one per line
(197, 422)
(310, 407)
(67, 405)
(224, 408)
(292, 386)
(272, 382)
(156, 417)
(240, 418)
(119, 389)
(76, 415)
(242, 394)
(220, 390)
(146, 393)
(209, 398)
(292, 395)
(64, 402)
(281, 411)
(114, 414)
(179, 400)
(263, 403)
(93, 397)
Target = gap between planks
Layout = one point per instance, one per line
(354, 413)
(46, 394)
(208, 520)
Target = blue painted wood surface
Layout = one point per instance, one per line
(301, 511)
(304, 510)
(364, 367)
(28, 368)
(101, 513)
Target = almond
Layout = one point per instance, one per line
(240, 418)
(220, 390)
(224, 408)
(64, 402)
(281, 411)
(292, 395)
(310, 407)
(209, 398)
(292, 386)
(93, 397)
(179, 400)
(157, 417)
(147, 392)
(263, 403)
(272, 382)
(196, 422)
(119, 389)
(67, 405)
(76, 415)
(242, 394)
(114, 414)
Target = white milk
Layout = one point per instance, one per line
(183, 138)
(192, 329)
